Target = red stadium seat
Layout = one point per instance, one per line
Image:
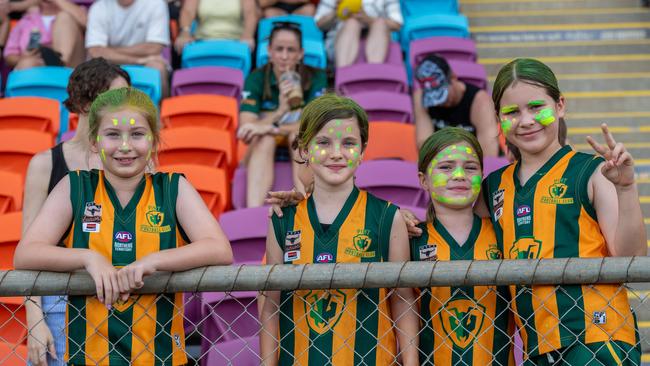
(200, 110)
(11, 224)
(13, 354)
(197, 145)
(18, 146)
(391, 140)
(211, 183)
(11, 192)
(31, 113)
(13, 322)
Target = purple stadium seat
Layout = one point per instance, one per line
(451, 48)
(394, 56)
(282, 181)
(491, 164)
(192, 308)
(246, 229)
(385, 106)
(470, 72)
(229, 316)
(240, 352)
(392, 180)
(208, 80)
(371, 77)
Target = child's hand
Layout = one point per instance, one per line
(411, 223)
(105, 277)
(619, 165)
(280, 199)
(131, 277)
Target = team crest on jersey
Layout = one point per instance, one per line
(122, 306)
(556, 192)
(292, 240)
(361, 243)
(155, 220)
(526, 248)
(497, 203)
(324, 309)
(493, 252)
(428, 252)
(92, 213)
(462, 321)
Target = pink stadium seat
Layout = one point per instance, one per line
(451, 48)
(230, 316)
(470, 72)
(246, 229)
(392, 180)
(385, 106)
(491, 164)
(394, 56)
(371, 77)
(282, 181)
(208, 80)
(240, 352)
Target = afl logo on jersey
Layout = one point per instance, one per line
(123, 236)
(324, 258)
(523, 210)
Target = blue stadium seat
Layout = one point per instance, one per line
(308, 27)
(314, 54)
(434, 26)
(415, 8)
(219, 52)
(45, 81)
(146, 79)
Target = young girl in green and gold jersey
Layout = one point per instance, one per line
(459, 325)
(337, 223)
(557, 203)
(121, 224)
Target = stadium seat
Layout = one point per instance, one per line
(211, 183)
(208, 80)
(433, 25)
(11, 224)
(240, 352)
(197, 145)
(44, 81)
(451, 48)
(391, 140)
(393, 180)
(13, 322)
(308, 27)
(359, 78)
(394, 56)
(282, 181)
(32, 113)
(246, 230)
(470, 72)
(13, 354)
(414, 8)
(492, 163)
(11, 192)
(18, 146)
(219, 52)
(210, 111)
(230, 316)
(146, 79)
(314, 54)
(385, 106)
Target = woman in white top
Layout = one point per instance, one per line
(346, 21)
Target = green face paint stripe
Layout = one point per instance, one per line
(545, 117)
(506, 126)
(338, 134)
(459, 172)
(103, 155)
(536, 103)
(509, 108)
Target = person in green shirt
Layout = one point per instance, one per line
(267, 118)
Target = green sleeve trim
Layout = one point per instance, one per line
(385, 227)
(583, 183)
(280, 223)
(252, 93)
(417, 241)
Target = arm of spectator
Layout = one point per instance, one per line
(249, 9)
(77, 12)
(113, 55)
(21, 6)
(252, 126)
(185, 19)
(4, 22)
(423, 124)
(394, 17)
(269, 344)
(483, 118)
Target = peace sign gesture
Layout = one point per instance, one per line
(619, 165)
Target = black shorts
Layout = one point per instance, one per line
(289, 8)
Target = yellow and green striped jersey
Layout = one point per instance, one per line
(146, 329)
(462, 325)
(336, 327)
(551, 216)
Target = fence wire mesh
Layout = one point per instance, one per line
(457, 324)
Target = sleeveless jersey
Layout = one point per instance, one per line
(146, 329)
(338, 327)
(551, 217)
(462, 325)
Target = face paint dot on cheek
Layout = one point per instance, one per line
(476, 184)
(506, 126)
(439, 180)
(545, 117)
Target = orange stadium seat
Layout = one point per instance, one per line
(13, 354)
(214, 111)
(18, 146)
(197, 145)
(9, 237)
(391, 140)
(13, 322)
(211, 183)
(11, 192)
(32, 113)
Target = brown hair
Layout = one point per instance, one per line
(90, 79)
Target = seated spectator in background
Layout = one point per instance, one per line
(272, 101)
(274, 8)
(346, 22)
(441, 100)
(50, 34)
(130, 32)
(217, 19)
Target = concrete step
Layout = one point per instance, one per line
(608, 104)
(621, 123)
(468, 6)
(581, 64)
(545, 49)
(580, 138)
(642, 82)
(557, 16)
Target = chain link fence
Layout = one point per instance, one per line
(466, 313)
